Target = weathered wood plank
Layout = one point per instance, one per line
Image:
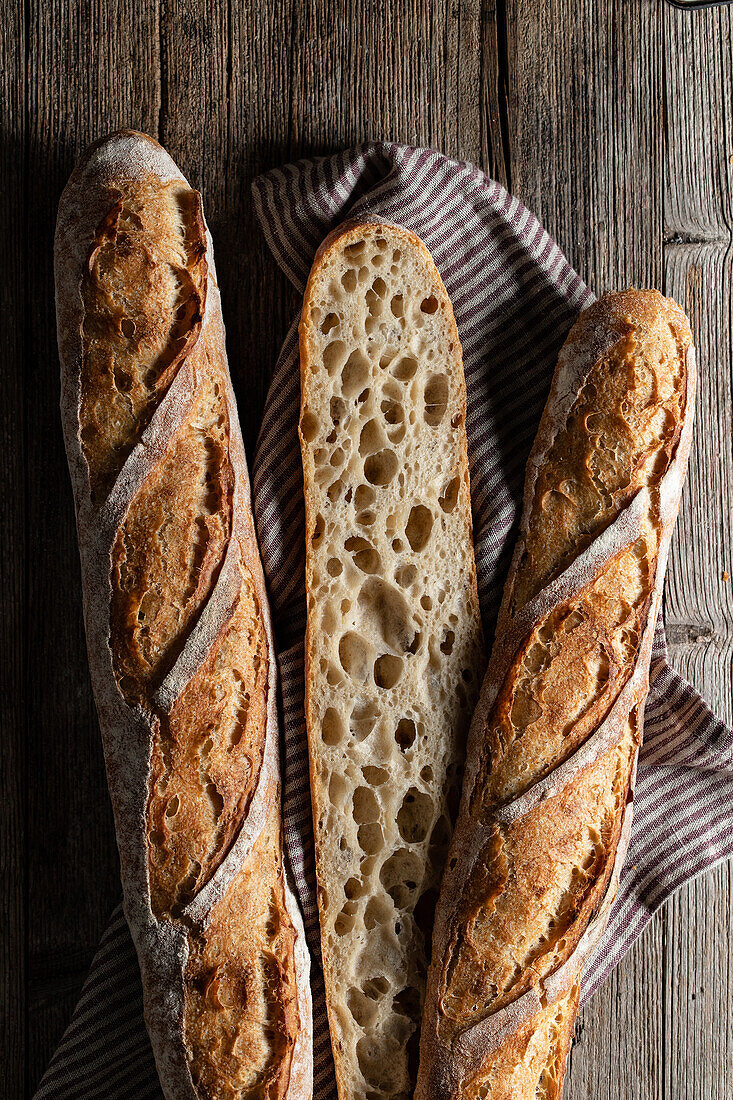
(585, 135)
(13, 568)
(699, 602)
(559, 100)
(92, 68)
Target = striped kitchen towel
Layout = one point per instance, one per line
(515, 297)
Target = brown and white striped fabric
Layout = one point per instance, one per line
(515, 297)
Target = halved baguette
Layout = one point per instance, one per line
(178, 630)
(394, 649)
(547, 800)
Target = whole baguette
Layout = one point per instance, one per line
(394, 651)
(178, 630)
(546, 807)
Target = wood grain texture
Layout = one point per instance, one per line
(614, 126)
(698, 219)
(13, 569)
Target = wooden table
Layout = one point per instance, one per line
(613, 121)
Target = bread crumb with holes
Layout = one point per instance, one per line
(394, 647)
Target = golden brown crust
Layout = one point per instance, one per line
(243, 1054)
(546, 807)
(144, 295)
(178, 628)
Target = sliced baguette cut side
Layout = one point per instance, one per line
(394, 651)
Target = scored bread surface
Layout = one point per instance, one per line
(178, 630)
(546, 806)
(394, 650)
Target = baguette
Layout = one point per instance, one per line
(178, 630)
(394, 650)
(547, 800)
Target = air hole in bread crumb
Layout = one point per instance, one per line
(376, 987)
(338, 790)
(337, 410)
(334, 568)
(405, 733)
(332, 727)
(386, 612)
(355, 250)
(344, 922)
(363, 719)
(436, 399)
(449, 498)
(309, 426)
(355, 373)
(372, 438)
(405, 575)
(330, 321)
(334, 677)
(366, 807)
(415, 816)
(392, 411)
(397, 305)
(419, 527)
(399, 875)
(366, 558)
(387, 670)
(335, 490)
(354, 656)
(426, 603)
(361, 1008)
(380, 468)
(348, 280)
(353, 888)
(128, 327)
(334, 356)
(374, 776)
(173, 806)
(446, 646)
(374, 303)
(364, 497)
(429, 305)
(404, 368)
(370, 838)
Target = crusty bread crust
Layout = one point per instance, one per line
(390, 577)
(169, 940)
(545, 817)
